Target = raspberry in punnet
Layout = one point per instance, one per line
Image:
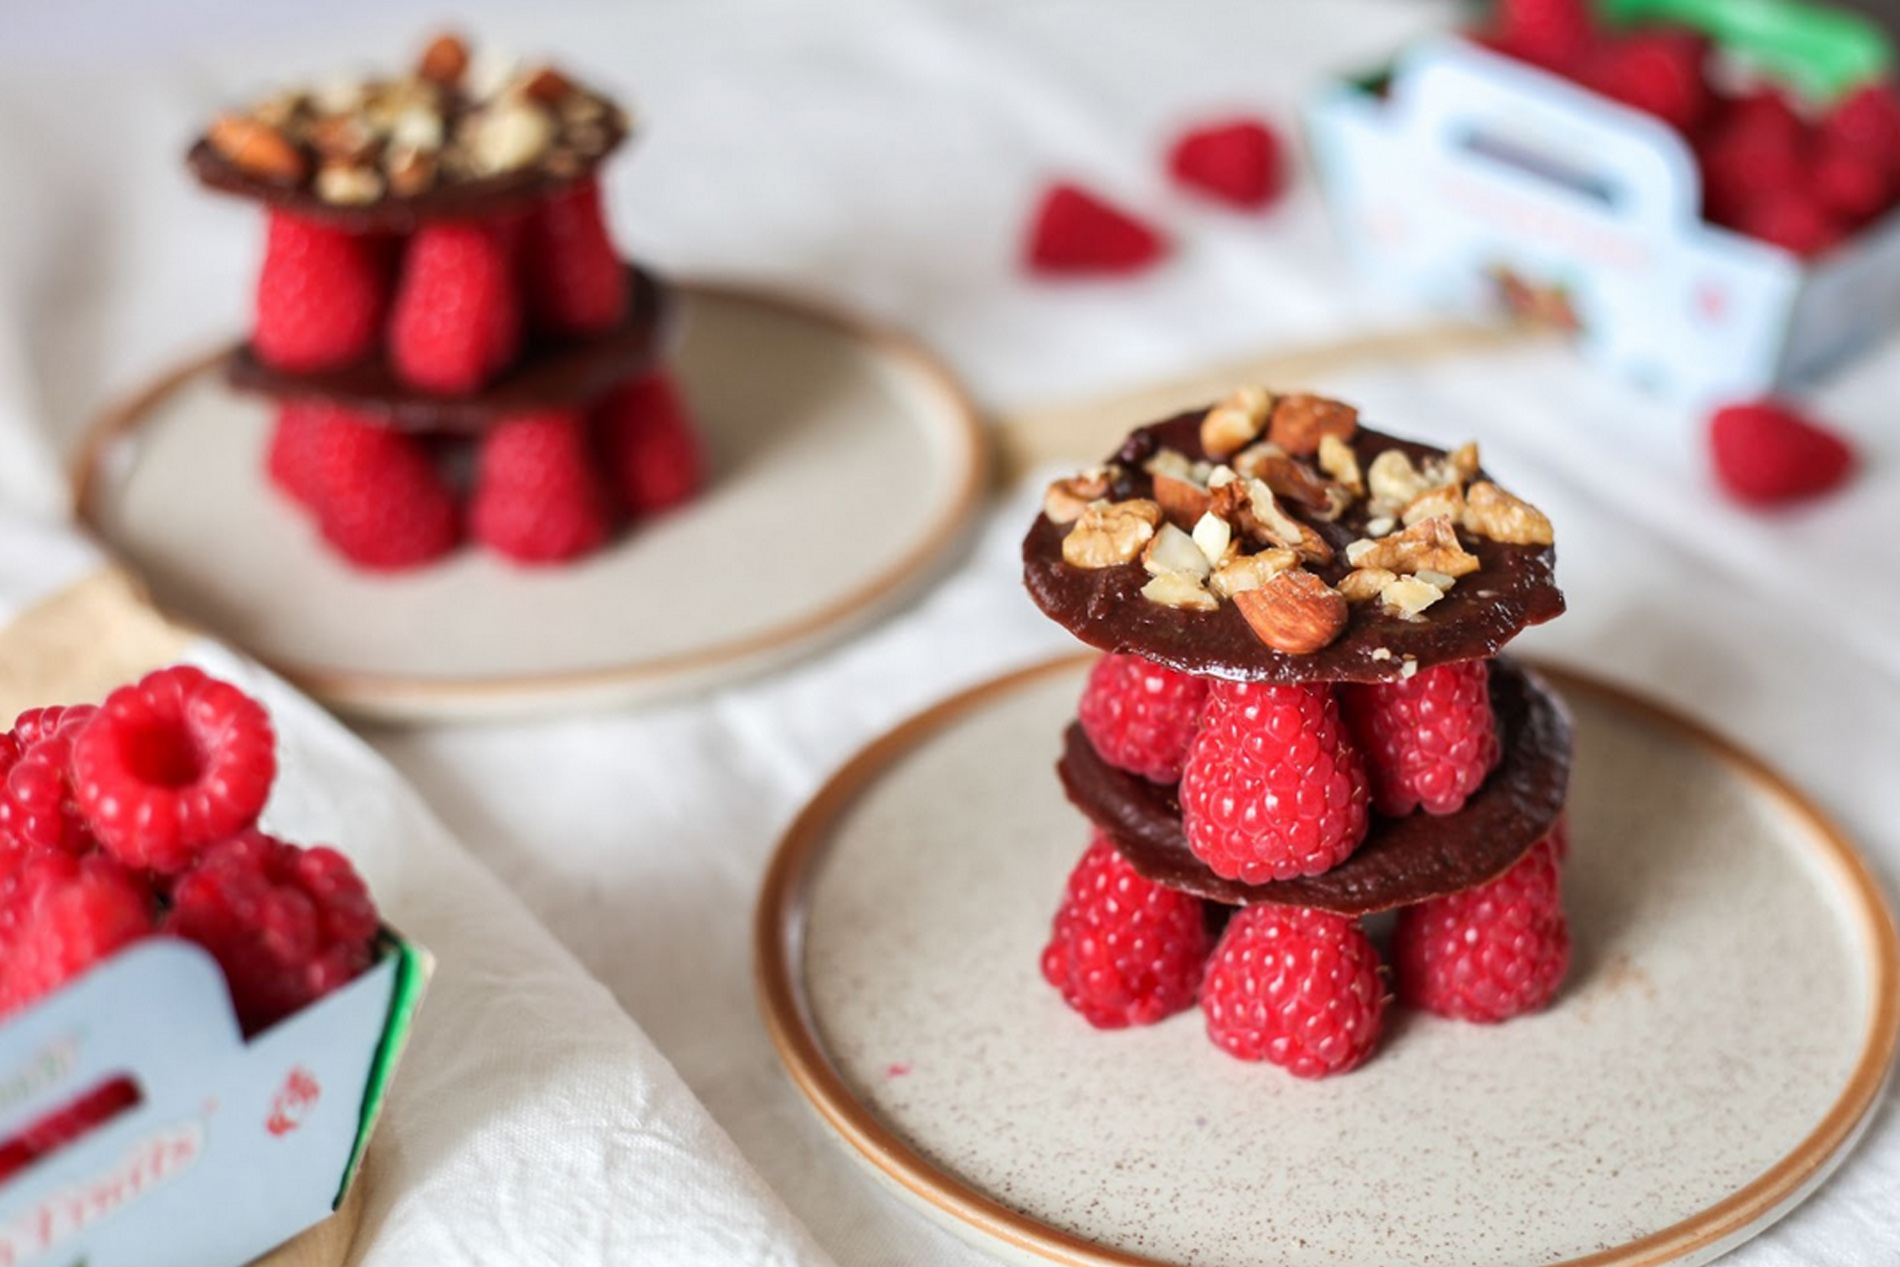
(171, 764)
(1429, 741)
(457, 317)
(571, 276)
(1274, 786)
(1659, 72)
(650, 448)
(1295, 987)
(1237, 162)
(1124, 950)
(1141, 716)
(1553, 34)
(1076, 232)
(60, 916)
(538, 496)
(1489, 953)
(38, 808)
(321, 295)
(287, 925)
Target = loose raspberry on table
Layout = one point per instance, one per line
(650, 446)
(172, 763)
(38, 807)
(1767, 453)
(1298, 988)
(1489, 953)
(1076, 232)
(287, 925)
(1429, 741)
(571, 276)
(538, 496)
(1237, 161)
(321, 295)
(1124, 950)
(1274, 786)
(1141, 716)
(60, 916)
(377, 494)
(457, 317)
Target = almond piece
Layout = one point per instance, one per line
(1110, 533)
(1246, 572)
(1236, 422)
(1065, 500)
(445, 61)
(348, 184)
(547, 85)
(1430, 545)
(1294, 481)
(509, 135)
(1294, 612)
(1172, 550)
(1365, 584)
(1272, 524)
(1492, 512)
(1182, 500)
(1337, 459)
(1214, 537)
(1178, 589)
(255, 149)
(1300, 420)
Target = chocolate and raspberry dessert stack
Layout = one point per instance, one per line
(455, 343)
(1303, 721)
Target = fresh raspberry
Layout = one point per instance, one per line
(53, 1132)
(1793, 219)
(1075, 232)
(1553, 34)
(1274, 787)
(650, 446)
(1755, 148)
(321, 295)
(287, 925)
(1124, 950)
(1658, 71)
(571, 276)
(1491, 952)
(457, 317)
(172, 763)
(1296, 987)
(1140, 716)
(538, 498)
(1852, 186)
(38, 809)
(1866, 123)
(1429, 741)
(376, 492)
(1767, 452)
(289, 459)
(63, 915)
(1237, 162)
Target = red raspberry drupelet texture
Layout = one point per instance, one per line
(538, 497)
(1489, 953)
(457, 318)
(376, 493)
(38, 808)
(571, 276)
(1124, 950)
(1140, 716)
(649, 444)
(60, 916)
(1273, 787)
(171, 764)
(1298, 988)
(1428, 741)
(321, 295)
(287, 925)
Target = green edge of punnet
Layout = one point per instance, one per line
(1823, 52)
(412, 974)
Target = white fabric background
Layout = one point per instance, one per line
(886, 154)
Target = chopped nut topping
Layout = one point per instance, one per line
(1066, 499)
(1302, 419)
(1381, 653)
(1430, 545)
(509, 134)
(1183, 500)
(1214, 537)
(1408, 596)
(1464, 460)
(1364, 584)
(1408, 669)
(445, 61)
(1172, 550)
(1250, 461)
(1110, 533)
(1251, 507)
(1337, 459)
(1295, 612)
(1251, 571)
(1393, 482)
(1381, 526)
(348, 184)
(1492, 512)
(1437, 580)
(1235, 422)
(1292, 480)
(256, 148)
(1448, 501)
(1178, 589)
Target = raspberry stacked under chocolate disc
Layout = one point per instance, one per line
(455, 342)
(1303, 720)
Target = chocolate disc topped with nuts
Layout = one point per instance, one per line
(450, 139)
(1273, 538)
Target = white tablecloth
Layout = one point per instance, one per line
(886, 154)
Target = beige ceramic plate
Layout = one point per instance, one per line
(846, 463)
(1729, 1022)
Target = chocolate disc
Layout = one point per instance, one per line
(1401, 860)
(571, 375)
(1514, 587)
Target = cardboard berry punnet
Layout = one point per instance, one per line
(1481, 181)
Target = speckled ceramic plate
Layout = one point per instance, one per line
(845, 465)
(1729, 1021)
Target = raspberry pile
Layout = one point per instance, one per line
(512, 264)
(138, 818)
(1802, 176)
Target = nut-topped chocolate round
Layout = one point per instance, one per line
(1302, 719)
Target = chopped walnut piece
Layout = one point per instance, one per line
(1464, 460)
(1447, 500)
(1178, 589)
(1337, 459)
(1236, 422)
(1172, 550)
(1250, 571)
(1295, 612)
(1066, 499)
(1110, 533)
(1430, 545)
(1408, 596)
(1492, 512)
(1393, 482)
(1301, 419)
(1365, 584)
